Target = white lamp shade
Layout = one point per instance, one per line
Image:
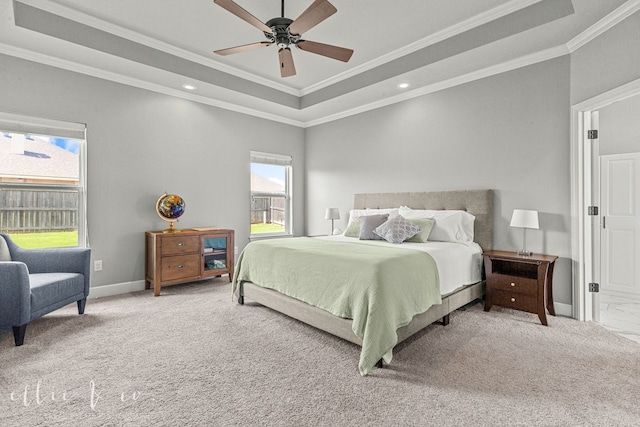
(332, 213)
(525, 219)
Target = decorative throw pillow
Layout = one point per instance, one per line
(5, 255)
(397, 230)
(369, 223)
(425, 224)
(353, 226)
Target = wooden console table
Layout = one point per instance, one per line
(187, 255)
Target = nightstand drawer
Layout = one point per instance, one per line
(176, 245)
(516, 284)
(180, 267)
(514, 300)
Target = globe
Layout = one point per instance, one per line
(170, 207)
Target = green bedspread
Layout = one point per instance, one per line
(379, 285)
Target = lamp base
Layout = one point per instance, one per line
(525, 253)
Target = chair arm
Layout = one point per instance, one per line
(15, 294)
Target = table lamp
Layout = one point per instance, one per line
(332, 214)
(524, 219)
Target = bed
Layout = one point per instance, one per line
(290, 300)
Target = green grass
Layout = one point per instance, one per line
(266, 228)
(46, 240)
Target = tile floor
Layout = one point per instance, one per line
(621, 315)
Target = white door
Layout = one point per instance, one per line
(620, 226)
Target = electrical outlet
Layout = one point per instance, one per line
(97, 265)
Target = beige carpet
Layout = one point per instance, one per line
(194, 358)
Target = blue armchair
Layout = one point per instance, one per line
(34, 282)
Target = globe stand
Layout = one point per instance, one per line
(171, 228)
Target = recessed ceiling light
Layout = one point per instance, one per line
(189, 87)
(403, 85)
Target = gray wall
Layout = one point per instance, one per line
(141, 144)
(508, 132)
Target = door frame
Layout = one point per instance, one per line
(583, 173)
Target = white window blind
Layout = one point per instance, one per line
(270, 159)
(15, 123)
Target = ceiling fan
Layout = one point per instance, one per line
(285, 32)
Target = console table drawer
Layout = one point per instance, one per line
(175, 245)
(180, 267)
(515, 284)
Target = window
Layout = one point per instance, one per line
(42, 182)
(270, 194)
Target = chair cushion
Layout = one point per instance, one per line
(48, 289)
(5, 255)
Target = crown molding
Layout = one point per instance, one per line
(618, 15)
(603, 25)
(151, 42)
(454, 30)
(523, 61)
(141, 84)
(466, 25)
(425, 90)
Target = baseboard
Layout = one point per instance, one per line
(116, 289)
(565, 310)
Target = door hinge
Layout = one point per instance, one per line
(592, 134)
(592, 210)
(594, 287)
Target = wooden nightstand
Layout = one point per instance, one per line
(520, 282)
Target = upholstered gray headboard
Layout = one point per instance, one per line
(477, 202)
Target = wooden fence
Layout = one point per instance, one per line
(33, 211)
(267, 210)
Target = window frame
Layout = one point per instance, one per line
(285, 161)
(14, 123)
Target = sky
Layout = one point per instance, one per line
(72, 145)
(272, 172)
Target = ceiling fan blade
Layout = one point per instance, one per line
(316, 13)
(330, 51)
(287, 69)
(242, 14)
(243, 48)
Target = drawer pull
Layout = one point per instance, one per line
(513, 284)
(513, 300)
(180, 266)
(180, 244)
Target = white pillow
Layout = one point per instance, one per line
(353, 226)
(449, 226)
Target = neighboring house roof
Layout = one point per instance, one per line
(265, 185)
(40, 159)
